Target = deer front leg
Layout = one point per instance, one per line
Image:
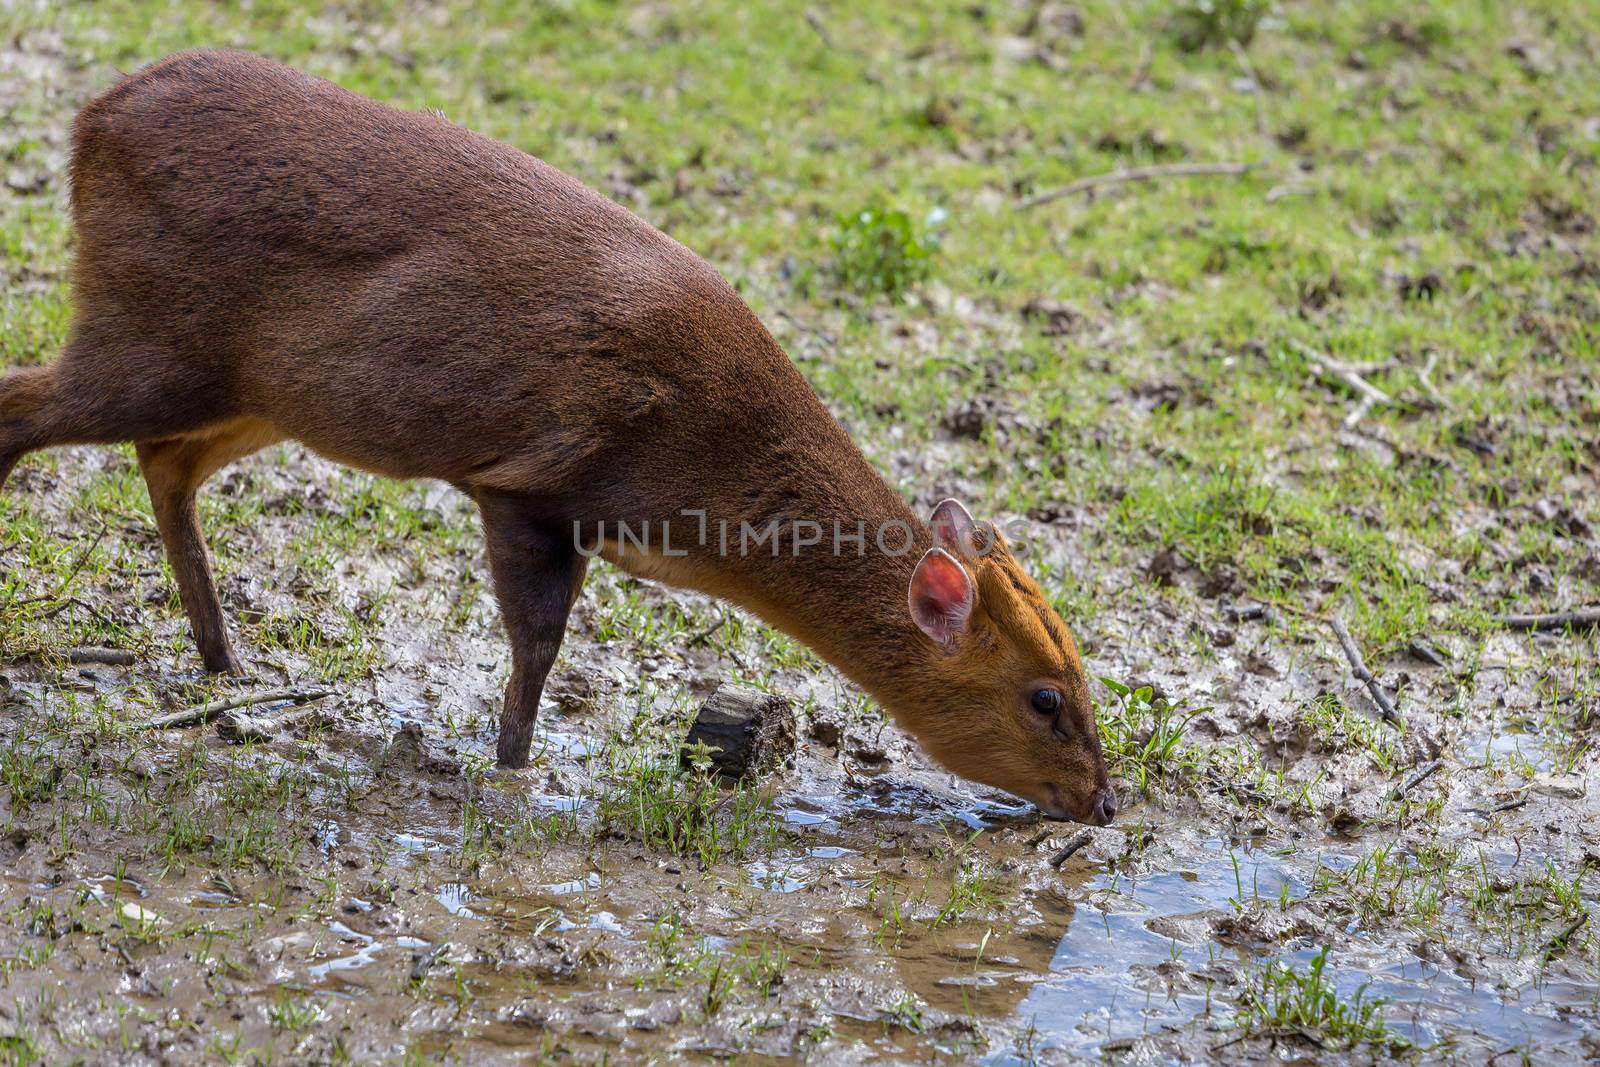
(537, 575)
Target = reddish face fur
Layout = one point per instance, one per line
(264, 256)
(999, 643)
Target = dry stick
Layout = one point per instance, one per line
(1561, 939)
(1558, 621)
(77, 567)
(1357, 413)
(1416, 778)
(1136, 174)
(1425, 376)
(190, 716)
(66, 602)
(1255, 80)
(705, 635)
(1508, 805)
(1067, 850)
(1358, 667)
(109, 657)
(813, 19)
(1141, 73)
(1350, 375)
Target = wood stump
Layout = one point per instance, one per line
(749, 731)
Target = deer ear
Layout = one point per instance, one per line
(953, 528)
(941, 597)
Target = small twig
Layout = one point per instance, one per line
(109, 657)
(1230, 1042)
(1560, 940)
(66, 602)
(1037, 839)
(822, 335)
(77, 566)
(424, 961)
(1136, 174)
(1358, 667)
(1350, 374)
(1414, 779)
(1255, 80)
(1357, 413)
(720, 806)
(1558, 621)
(1141, 73)
(814, 19)
(1066, 852)
(705, 635)
(1425, 376)
(202, 712)
(1508, 805)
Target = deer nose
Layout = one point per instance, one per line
(1104, 807)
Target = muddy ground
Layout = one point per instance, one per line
(1291, 879)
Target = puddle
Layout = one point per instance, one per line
(604, 920)
(326, 835)
(799, 816)
(988, 814)
(456, 898)
(415, 844)
(1507, 748)
(587, 884)
(777, 877)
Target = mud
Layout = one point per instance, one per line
(356, 882)
(366, 884)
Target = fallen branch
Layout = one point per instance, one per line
(1425, 376)
(202, 712)
(1136, 174)
(1070, 848)
(1358, 667)
(1508, 805)
(1353, 418)
(1557, 621)
(1560, 940)
(1141, 73)
(813, 19)
(1350, 375)
(109, 657)
(1416, 778)
(77, 568)
(1256, 91)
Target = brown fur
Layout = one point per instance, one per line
(263, 256)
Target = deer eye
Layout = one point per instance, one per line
(1046, 700)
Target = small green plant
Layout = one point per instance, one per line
(1201, 24)
(685, 812)
(880, 250)
(291, 1012)
(1142, 734)
(1277, 999)
(974, 888)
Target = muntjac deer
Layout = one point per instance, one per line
(263, 256)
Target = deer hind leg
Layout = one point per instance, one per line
(174, 471)
(537, 575)
(114, 381)
(24, 398)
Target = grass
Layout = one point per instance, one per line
(1141, 735)
(1132, 372)
(1280, 999)
(1209, 287)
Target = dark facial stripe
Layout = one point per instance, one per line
(1053, 628)
(1041, 607)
